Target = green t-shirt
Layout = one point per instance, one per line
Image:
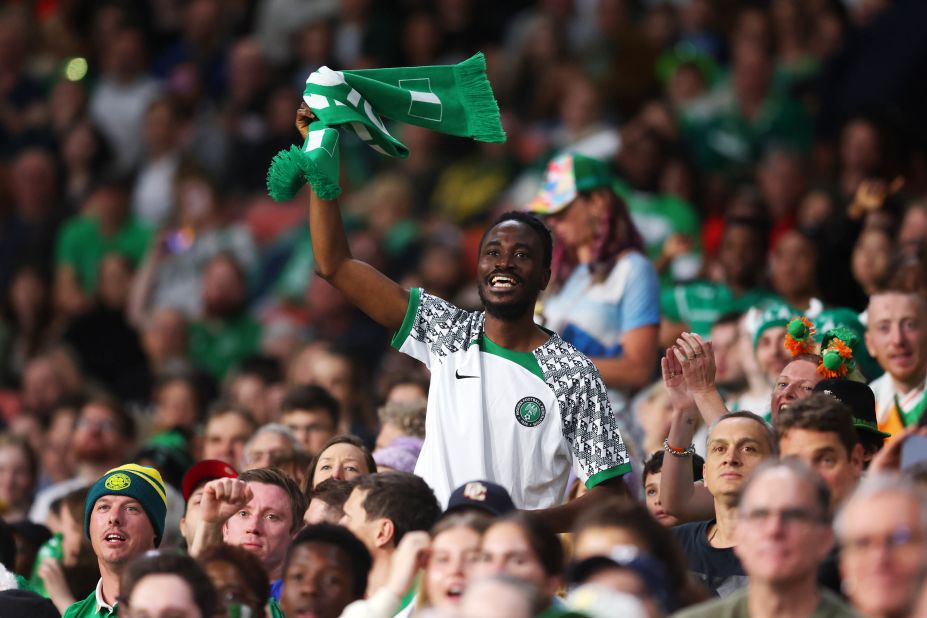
(50, 549)
(218, 346)
(82, 246)
(724, 141)
(700, 303)
(88, 608)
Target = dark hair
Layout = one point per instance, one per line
(729, 317)
(333, 492)
(341, 439)
(266, 368)
(619, 235)
(770, 433)
(74, 502)
(247, 564)
(541, 537)
(478, 521)
(274, 476)
(360, 560)
(401, 497)
(536, 225)
(172, 563)
(819, 412)
(224, 407)
(311, 397)
(658, 541)
(654, 465)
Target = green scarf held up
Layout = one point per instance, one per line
(453, 99)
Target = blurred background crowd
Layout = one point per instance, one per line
(774, 149)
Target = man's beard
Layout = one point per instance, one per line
(507, 312)
(92, 452)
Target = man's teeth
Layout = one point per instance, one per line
(115, 537)
(501, 281)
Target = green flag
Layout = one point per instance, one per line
(454, 99)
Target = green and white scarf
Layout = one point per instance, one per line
(453, 99)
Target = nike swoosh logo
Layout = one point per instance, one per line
(460, 377)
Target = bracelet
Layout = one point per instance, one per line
(678, 452)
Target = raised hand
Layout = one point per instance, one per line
(697, 359)
(411, 556)
(304, 117)
(222, 498)
(674, 381)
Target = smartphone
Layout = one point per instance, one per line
(913, 451)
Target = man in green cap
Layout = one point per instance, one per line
(123, 517)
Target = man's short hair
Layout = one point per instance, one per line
(403, 498)
(333, 492)
(174, 563)
(247, 565)
(224, 408)
(408, 416)
(819, 412)
(342, 538)
(800, 470)
(273, 476)
(311, 397)
(536, 225)
(769, 432)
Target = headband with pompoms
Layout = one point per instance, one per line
(837, 353)
(799, 337)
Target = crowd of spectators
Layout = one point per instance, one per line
(746, 163)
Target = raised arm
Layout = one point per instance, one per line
(370, 290)
(679, 494)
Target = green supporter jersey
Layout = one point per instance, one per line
(701, 303)
(217, 347)
(88, 609)
(50, 549)
(82, 246)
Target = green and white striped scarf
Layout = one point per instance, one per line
(453, 99)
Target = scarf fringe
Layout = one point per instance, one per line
(290, 170)
(481, 105)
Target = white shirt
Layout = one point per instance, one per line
(520, 419)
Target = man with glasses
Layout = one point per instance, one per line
(882, 529)
(782, 535)
(104, 435)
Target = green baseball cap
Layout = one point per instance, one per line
(567, 176)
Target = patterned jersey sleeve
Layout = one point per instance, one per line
(589, 425)
(434, 328)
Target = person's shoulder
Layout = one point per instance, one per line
(85, 607)
(559, 354)
(832, 606)
(728, 607)
(689, 532)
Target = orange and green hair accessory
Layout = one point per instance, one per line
(837, 353)
(799, 337)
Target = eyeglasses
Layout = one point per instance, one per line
(788, 517)
(900, 538)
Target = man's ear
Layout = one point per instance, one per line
(869, 346)
(856, 460)
(183, 526)
(545, 278)
(386, 532)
